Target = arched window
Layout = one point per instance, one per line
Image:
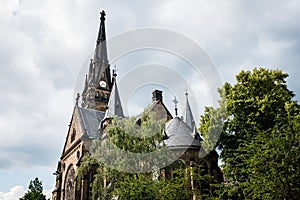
(73, 135)
(70, 184)
(178, 169)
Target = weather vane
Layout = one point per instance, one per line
(175, 103)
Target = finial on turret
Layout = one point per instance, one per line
(186, 92)
(115, 71)
(175, 104)
(77, 98)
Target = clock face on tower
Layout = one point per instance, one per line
(102, 84)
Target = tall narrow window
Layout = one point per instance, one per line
(73, 135)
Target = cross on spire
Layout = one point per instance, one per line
(102, 15)
(175, 104)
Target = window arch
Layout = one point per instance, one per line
(70, 183)
(73, 135)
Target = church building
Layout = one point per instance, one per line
(100, 100)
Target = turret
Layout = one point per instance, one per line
(188, 117)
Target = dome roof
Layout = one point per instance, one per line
(179, 134)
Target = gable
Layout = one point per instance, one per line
(75, 131)
(161, 110)
(84, 123)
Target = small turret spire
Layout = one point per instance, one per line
(91, 81)
(84, 92)
(85, 88)
(114, 103)
(188, 116)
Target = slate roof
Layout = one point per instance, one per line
(179, 134)
(91, 120)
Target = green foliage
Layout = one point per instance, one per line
(35, 191)
(212, 124)
(260, 137)
(137, 186)
(139, 136)
(274, 162)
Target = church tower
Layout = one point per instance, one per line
(85, 120)
(98, 83)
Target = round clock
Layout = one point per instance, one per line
(102, 84)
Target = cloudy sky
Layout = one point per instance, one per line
(45, 43)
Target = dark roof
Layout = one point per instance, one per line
(179, 134)
(91, 119)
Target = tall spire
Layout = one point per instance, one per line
(101, 33)
(114, 103)
(99, 83)
(102, 70)
(101, 50)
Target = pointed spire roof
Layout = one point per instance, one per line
(101, 33)
(114, 103)
(85, 89)
(101, 50)
(189, 119)
(188, 115)
(101, 63)
(91, 76)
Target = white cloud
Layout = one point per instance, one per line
(18, 191)
(14, 193)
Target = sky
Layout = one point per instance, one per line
(46, 44)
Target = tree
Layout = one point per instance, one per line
(260, 111)
(274, 170)
(139, 136)
(35, 191)
(124, 183)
